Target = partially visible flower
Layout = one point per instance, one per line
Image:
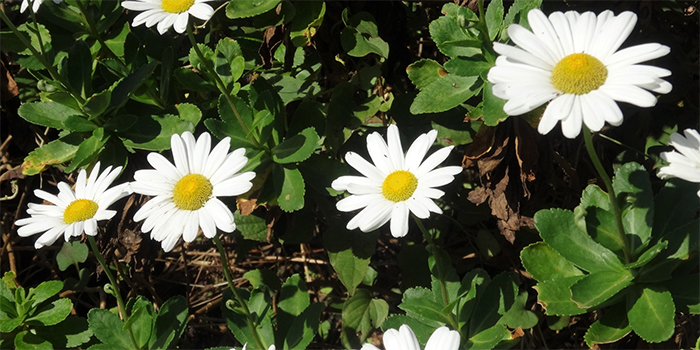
(35, 5)
(186, 194)
(73, 212)
(570, 59)
(168, 13)
(685, 161)
(404, 339)
(395, 184)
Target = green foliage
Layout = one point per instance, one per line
(360, 37)
(72, 253)
(37, 319)
(587, 240)
(144, 329)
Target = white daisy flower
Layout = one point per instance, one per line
(168, 13)
(186, 194)
(570, 59)
(395, 184)
(404, 339)
(73, 212)
(685, 161)
(35, 5)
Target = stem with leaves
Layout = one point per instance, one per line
(52, 71)
(244, 307)
(220, 85)
(440, 273)
(617, 214)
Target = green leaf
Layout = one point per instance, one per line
(97, 103)
(141, 322)
(545, 264)
(611, 327)
(189, 112)
(229, 126)
(488, 338)
(107, 327)
(263, 277)
(453, 40)
(125, 87)
(494, 18)
(519, 9)
(494, 302)
(351, 269)
(475, 66)
(153, 132)
(73, 252)
(675, 205)
(88, 150)
(197, 62)
(44, 291)
(308, 19)
(80, 64)
(249, 8)
(425, 71)
(648, 255)
(51, 114)
(473, 285)
(444, 94)
(632, 187)
(296, 148)
(305, 327)
(600, 225)
(558, 229)
(252, 227)
(357, 45)
(518, 315)
(293, 300)
(292, 192)
(598, 287)
(493, 107)
(52, 313)
(70, 333)
(682, 242)
(555, 296)
(419, 303)
(360, 313)
(25, 340)
(170, 323)
(650, 310)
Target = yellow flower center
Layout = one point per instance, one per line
(399, 186)
(192, 191)
(579, 74)
(79, 210)
(177, 6)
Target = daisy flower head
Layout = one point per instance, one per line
(185, 195)
(395, 184)
(35, 5)
(571, 59)
(685, 160)
(168, 13)
(73, 212)
(404, 339)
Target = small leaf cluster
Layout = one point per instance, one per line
(581, 265)
(38, 318)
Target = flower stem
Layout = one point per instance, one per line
(108, 272)
(438, 267)
(617, 214)
(220, 85)
(52, 71)
(227, 273)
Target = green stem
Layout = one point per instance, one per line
(108, 272)
(220, 85)
(438, 267)
(617, 214)
(227, 273)
(54, 74)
